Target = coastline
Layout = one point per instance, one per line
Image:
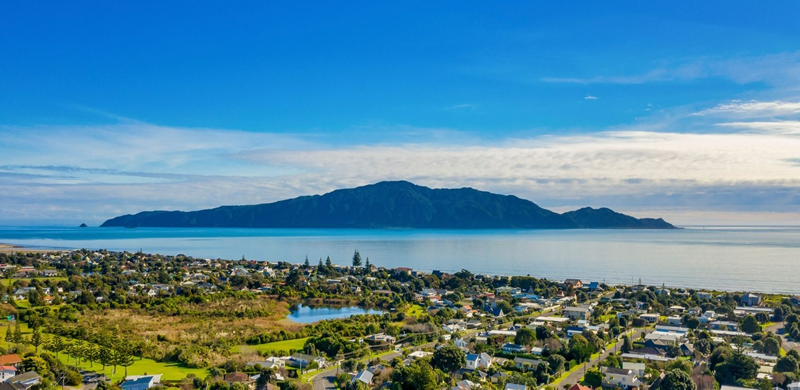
(9, 248)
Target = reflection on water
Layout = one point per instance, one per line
(308, 314)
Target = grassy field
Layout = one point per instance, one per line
(286, 345)
(169, 371)
(415, 311)
(8, 282)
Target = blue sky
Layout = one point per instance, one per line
(683, 110)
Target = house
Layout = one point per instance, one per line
(270, 363)
(527, 364)
(704, 295)
(793, 386)
(674, 320)
(49, 273)
(512, 348)
(239, 377)
(465, 385)
(477, 361)
(364, 377)
(381, 338)
(650, 317)
(141, 382)
(577, 312)
(25, 381)
(302, 360)
(514, 386)
(7, 372)
(687, 349)
(750, 299)
(637, 368)
(10, 360)
(579, 386)
(577, 283)
(460, 343)
(619, 377)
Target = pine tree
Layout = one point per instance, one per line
(307, 265)
(9, 335)
(328, 263)
(356, 259)
(366, 264)
(36, 339)
(17, 333)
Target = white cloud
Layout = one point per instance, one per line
(590, 97)
(92, 173)
(774, 127)
(753, 109)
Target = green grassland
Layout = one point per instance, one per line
(285, 345)
(169, 371)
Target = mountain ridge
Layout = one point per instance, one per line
(392, 204)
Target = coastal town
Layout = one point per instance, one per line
(117, 320)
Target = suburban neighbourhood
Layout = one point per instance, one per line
(134, 321)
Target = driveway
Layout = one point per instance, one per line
(778, 330)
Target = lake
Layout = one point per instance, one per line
(307, 314)
(763, 259)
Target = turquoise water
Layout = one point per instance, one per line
(725, 258)
(306, 314)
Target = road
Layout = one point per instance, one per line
(576, 376)
(778, 330)
(324, 380)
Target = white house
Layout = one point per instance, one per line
(577, 312)
(619, 377)
(7, 372)
(476, 361)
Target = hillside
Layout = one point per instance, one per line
(396, 204)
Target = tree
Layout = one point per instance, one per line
(786, 364)
(542, 333)
(328, 263)
(525, 337)
(306, 264)
(735, 367)
(579, 348)
(593, 377)
(449, 359)
(677, 380)
(692, 323)
(356, 259)
(556, 363)
(419, 375)
(9, 335)
(106, 357)
(17, 333)
(750, 324)
(57, 345)
(35, 363)
(36, 339)
(703, 346)
(626, 344)
(367, 266)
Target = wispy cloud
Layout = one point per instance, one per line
(753, 109)
(590, 97)
(774, 127)
(463, 106)
(774, 69)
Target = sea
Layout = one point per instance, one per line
(730, 258)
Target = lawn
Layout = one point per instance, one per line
(415, 310)
(169, 371)
(285, 345)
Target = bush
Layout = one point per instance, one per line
(73, 378)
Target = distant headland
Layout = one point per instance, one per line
(393, 204)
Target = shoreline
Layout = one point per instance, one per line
(10, 248)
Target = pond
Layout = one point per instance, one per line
(307, 314)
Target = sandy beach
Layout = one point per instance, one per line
(7, 248)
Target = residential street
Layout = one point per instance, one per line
(576, 376)
(778, 329)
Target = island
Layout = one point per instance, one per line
(122, 320)
(393, 204)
